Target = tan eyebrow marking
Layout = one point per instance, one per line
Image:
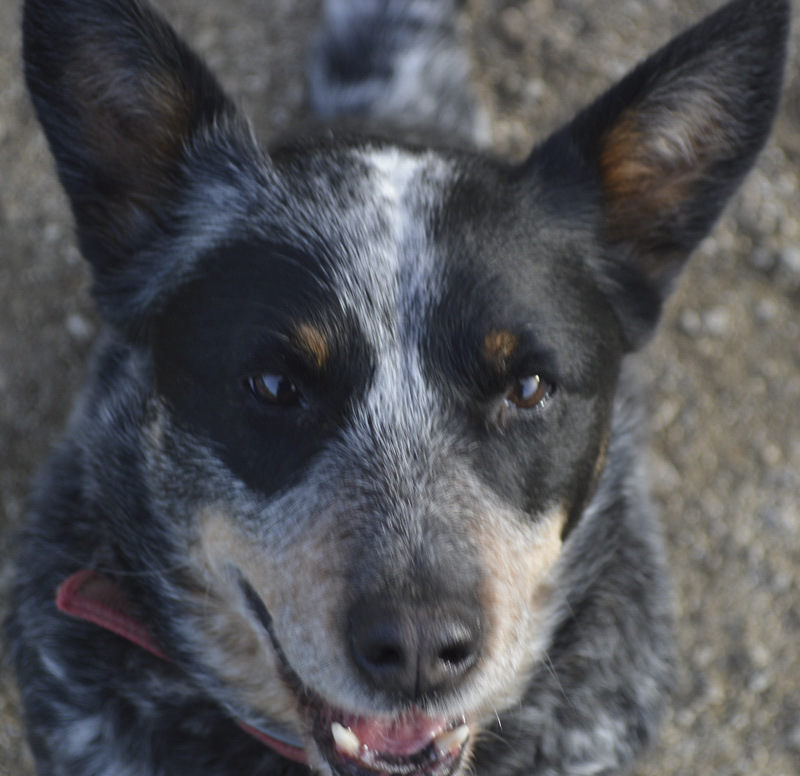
(498, 347)
(312, 342)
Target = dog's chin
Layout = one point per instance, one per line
(411, 744)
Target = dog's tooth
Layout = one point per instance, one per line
(451, 739)
(345, 739)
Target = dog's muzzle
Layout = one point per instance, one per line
(409, 656)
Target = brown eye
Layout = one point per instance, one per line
(529, 393)
(275, 389)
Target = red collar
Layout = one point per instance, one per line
(97, 599)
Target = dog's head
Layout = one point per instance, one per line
(379, 377)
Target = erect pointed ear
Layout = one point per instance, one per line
(121, 99)
(669, 144)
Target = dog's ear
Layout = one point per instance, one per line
(121, 99)
(667, 146)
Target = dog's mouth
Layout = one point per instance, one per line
(413, 743)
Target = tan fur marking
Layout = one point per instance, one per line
(232, 642)
(652, 158)
(600, 463)
(313, 343)
(498, 347)
(301, 585)
(635, 178)
(515, 597)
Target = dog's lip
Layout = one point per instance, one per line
(413, 743)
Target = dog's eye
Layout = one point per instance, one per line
(274, 389)
(529, 393)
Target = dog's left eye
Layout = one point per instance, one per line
(529, 393)
(275, 389)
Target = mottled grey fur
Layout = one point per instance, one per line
(402, 497)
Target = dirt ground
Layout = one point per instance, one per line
(724, 370)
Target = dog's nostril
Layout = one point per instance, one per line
(379, 645)
(459, 654)
(383, 655)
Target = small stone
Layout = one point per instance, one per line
(665, 414)
(690, 323)
(789, 258)
(766, 311)
(79, 327)
(761, 260)
(771, 454)
(534, 90)
(72, 256)
(716, 322)
(781, 582)
(793, 739)
(514, 25)
(760, 682)
(686, 718)
(52, 233)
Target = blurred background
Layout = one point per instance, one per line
(724, 371)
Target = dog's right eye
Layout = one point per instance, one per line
(274, 389)
(530, 393)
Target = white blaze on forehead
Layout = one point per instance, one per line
(395, 263)
(394, 279)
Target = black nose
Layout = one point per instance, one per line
(414, 651)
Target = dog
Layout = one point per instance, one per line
(355, 483)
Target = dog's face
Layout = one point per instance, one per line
(395, 436)
(378, 379)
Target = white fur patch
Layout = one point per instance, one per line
(392, 281)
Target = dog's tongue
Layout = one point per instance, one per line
(398, 737)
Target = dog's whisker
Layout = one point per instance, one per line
(548, 663)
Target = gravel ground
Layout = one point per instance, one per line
(724, 370)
